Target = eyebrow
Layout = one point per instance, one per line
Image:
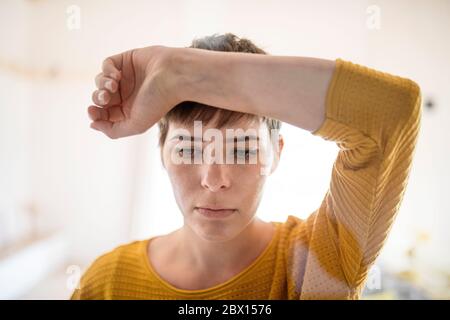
(235, 139)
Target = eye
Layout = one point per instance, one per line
(186, 152)
(245, 153)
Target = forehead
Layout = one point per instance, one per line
(243, 123)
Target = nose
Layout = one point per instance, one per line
(215, 178)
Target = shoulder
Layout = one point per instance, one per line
(97, 280)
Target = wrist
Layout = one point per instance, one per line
(184, 72)
(199, 75)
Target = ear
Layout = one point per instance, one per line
(277, 153)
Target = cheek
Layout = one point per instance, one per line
(248, 181)
(183, 180)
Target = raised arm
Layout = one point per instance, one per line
(374, 118)
(137, 87)
(291, 89)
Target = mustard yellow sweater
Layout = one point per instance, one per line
(374, 118)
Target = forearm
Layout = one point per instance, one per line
(291, 89)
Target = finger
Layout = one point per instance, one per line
(97, 79)
(96, 113)
(111, 67)
(105, 99)
(104, 82)
(113, 114)
(115, 130)
(116, 113)
(104, 96)
(101, 97)
(101, 125)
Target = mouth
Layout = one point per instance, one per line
(215, 212)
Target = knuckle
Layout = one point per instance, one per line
(106, 61)
(98, 77)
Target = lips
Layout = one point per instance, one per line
(215, 208)
(215, 212)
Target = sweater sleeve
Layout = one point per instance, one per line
(374, 118)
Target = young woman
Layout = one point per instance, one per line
(223, 250)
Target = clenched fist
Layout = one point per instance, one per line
(135, 90)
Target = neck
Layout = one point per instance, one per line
(228, 255)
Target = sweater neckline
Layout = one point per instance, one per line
(228, 282)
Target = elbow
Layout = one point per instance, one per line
(410, 105)
(414, 99)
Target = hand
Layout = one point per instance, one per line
(134, 92)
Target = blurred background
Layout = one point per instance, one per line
(69, 194)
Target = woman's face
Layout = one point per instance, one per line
(235, 182)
